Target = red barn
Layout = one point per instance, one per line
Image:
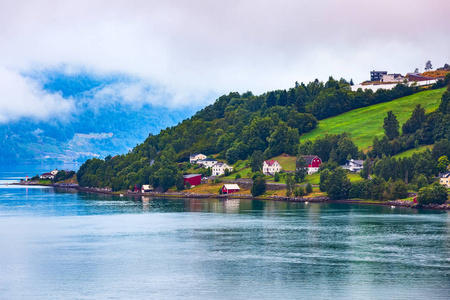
(230, 189)
(313, 162)
(193, 179)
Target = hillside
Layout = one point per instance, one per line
(93, 128)
(365, 123)
(239, 126)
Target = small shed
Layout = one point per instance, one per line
(230, 189)
(146, 188)
(193, 179)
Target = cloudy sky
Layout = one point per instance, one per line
(176, 53)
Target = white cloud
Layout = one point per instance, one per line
(189, 50)
(23, 97)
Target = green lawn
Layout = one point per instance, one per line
(367, 122)
(410, 152)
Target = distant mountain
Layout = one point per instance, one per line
(94, 129)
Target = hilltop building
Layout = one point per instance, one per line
(377, 75)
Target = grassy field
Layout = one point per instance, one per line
(286, 162)
(410, 152)
(367, 122)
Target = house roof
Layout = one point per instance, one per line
(207, 159)
(47, 174)
(357, 161)
(271, 162)
(191, 175)
(220, 164)
(309, 158)
(146, 186)
(231, 186)
(195, 154)
(444, 175)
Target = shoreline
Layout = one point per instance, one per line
(107, 191)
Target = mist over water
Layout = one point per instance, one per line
(61, 244)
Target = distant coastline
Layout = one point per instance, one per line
(322, 199)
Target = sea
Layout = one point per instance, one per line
(66, 244)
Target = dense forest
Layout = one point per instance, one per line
(236, 126)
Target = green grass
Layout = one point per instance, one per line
(286, 162)
(367, 122)
(410, 152)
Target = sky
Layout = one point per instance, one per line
(187, 53)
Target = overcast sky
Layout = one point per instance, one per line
(189, 52)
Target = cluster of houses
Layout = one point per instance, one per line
(217, 168)
(383, 76)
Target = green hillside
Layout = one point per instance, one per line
(410, 152)
(367, 122)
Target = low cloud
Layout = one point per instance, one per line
(189, 52)
(23, 97)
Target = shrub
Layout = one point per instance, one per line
(259, 186)
(276, 177)
(301, 191)
(309, 188)
(435, 194)
(400, 190)
(238, 176)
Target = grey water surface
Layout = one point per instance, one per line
(63, 244)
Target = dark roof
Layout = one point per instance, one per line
(208, 159)
(191, 175)
(219, 164)
(444, 175)
(195, 154)
(309, 158)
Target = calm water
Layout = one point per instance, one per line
(56, 244)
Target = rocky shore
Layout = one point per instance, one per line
(108, 191)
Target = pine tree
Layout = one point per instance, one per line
(391, 126)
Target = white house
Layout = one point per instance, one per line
(271, 167)
(444, 179)
(207, 162)
(54, 172)
(47, 175)
(219, 169)
(195, 157)
(353, 165)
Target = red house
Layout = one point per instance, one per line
(230, 189)
(313, 162)
(193, 179)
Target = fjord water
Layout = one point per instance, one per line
(62, 244)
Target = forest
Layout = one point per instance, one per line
(236, 125)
